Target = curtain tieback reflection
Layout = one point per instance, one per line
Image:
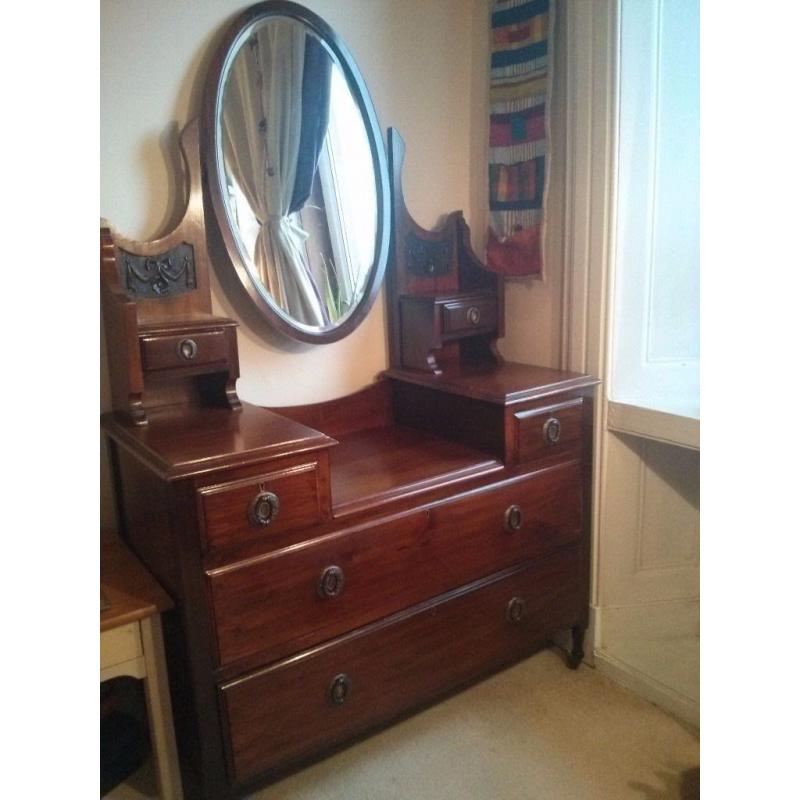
(276, 221)
(280, 239)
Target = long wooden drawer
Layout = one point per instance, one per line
(294, 598)
(334, 692)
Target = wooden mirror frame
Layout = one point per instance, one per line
(212, 97)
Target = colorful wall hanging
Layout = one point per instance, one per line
(519, 87)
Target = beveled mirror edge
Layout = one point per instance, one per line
(212, 182)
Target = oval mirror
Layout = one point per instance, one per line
(296, 171)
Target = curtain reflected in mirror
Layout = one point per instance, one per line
(300, 187)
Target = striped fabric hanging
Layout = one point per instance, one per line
(521, 39)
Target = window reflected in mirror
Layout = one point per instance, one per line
(299, 179)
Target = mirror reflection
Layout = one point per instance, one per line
(300, 188)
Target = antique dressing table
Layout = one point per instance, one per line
(335, 565)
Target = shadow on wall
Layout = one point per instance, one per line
(678, 467)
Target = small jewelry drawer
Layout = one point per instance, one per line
(279, 499)
(192, 349)
(468, 314)
(548, 431)
(331, 693)
(299, 596)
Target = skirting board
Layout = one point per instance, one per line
(631, 678)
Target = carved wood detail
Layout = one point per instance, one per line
(155, 296)
(432, 275)
(162, 275)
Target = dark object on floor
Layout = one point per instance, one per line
(690, 784)
(124, 745)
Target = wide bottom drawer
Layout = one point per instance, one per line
(331, 693)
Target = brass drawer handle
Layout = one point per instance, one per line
(474, 315)
(513, 518)
(264, 509)
(515, 609)
(187, 349)
(339, 689)
(331, 582)
(551, 431)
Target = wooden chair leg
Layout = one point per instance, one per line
(159, 711)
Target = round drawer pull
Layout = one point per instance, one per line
(331, 582)
(515, 609)
(513, 518)
(339, 689)
(187, 349)
(474, 315)
(551, 431)
(264, 509)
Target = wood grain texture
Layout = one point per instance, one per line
(271, 606)
(374, 466)
(530, 440)
(450, 542)
(504, 384)
(144, 366)
(435, 278)
(366, 409)
(132, 592)
(225, 507)
(179, 442)
(284, 712)
(162, 352)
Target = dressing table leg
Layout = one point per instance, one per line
(575, 654)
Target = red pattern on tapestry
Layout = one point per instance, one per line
(503, 134)
(519, 254)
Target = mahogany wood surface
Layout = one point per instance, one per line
(530, 441)
(433, 273)
(144, 506)
(469, 312)
(504, 384)
(285, 711)
(296, 482)
(368, 408)
(162, 352)
(476, 423)
(427, 533)
(373, 466)
(253, 597)
(122, 343)
(131, 591)
(190, 229)
(179, 442)
(144, 326)
(272, 606)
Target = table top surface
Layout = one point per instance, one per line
(131, 591)
(503, 384)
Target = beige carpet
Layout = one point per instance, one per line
(537, 731)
